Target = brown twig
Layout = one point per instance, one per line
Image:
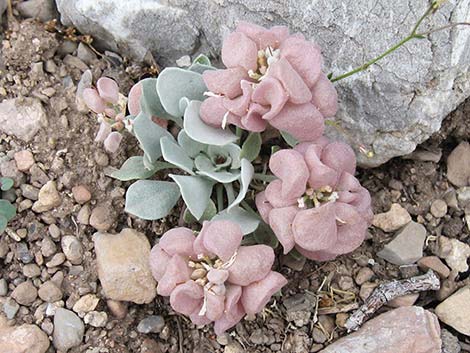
(389, 291)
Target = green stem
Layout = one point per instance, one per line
(411, 36)
(248, 208)
(264, 177)
(230, 192)
(220, 197)
(238, 132)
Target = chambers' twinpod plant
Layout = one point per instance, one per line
(7, 210)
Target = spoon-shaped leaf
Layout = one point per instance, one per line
(134, 168)
(246, 175)
(176, 155)
(247, 221)
(196, 192)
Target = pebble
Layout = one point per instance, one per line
(3, 287)
(57, 259)
(392, 220)
(234, 347)
(43, 10)
(102, 218)
(96, 318)
(81, 194)
(25, 293)
(31, 270)
(48, 198)
(86, 304)
(439, 208)
(50, 292)
(435, 264)
(83, 216)
(454, 252)
(318, 335)
(73, 249)
(48, 247)
(47, 326)
(455, 310)
(117, 308)
(450, 343)
(402, 330)
(85, 54)
(366, 290)
(22, 253)
(8, 169)
(450, 198)
(24, 160)
(22, 339)
(29, 191)
(68, 330)
(54, 231)
(151, 324)
(75, 62)
(10, 308)
(21, 117)
(363, 275)
(458, 165)
(341, 319)
(123, 268)
(407, 246)
(38, 177)
(463, 196)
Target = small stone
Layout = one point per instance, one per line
(318, 335)
(184, 61)
(83, 216)
(23, 254)
(43, 10)
(458, 165)
(454, 252)
(22, 117)
(25, 293)
(22, 339)
(31, 270)
(403, 330)
(463, 196)
(366, 290)
(48, 247)
(439, 208)
(223, 339)
(151, 324)
(66, 47)
(47, 326)
(234, 347)
(345, 283)
(73, 249)
(10, 308)
(68, 330)
(123, 268)
(102, 218)
(50, 292)
(341, 319)
(407, 246)
(48, 198)
(3, 287)
(75, 62)
(404, 300)
(24, 160)
(29, 191)
(85, 54)
(363, 275)
(54, 231)
(450, 343)
(394, 219)
(38, 176)
(86, 304)
(455, 311)
(81, 194)
(57, 260)
(450, 198)
(117, 308)
(435, 264)
(96, 318)
(8, 169)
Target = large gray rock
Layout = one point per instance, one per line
(387, 110)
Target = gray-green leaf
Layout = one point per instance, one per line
(134, 168)
(196, 192)
(174, 83)
(246, 175)
(7, 209)
(150, 101)
(201, 132)
(251, 147)
(151, 199)
(264, 235)
(174, 154)
(191, 147)
(291, 140)
(208, 214)
(149, 134)
(6, 183)
(247, 221)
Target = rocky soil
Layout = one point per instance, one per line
(68, 282)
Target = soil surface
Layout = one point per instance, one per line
(64, 150)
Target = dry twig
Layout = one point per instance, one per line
(388, 291)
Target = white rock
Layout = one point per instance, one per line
(455, 310)
(22, 117)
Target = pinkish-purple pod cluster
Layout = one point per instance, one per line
(210, 277)
(272, 77)
(316, 205)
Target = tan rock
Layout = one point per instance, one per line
(454, 252)
(458, 165)
(24, 160)
(393, 219)
(404, 300)
(455, 310)
(435, 264)
(403, 330)
(123, 266)
(86, 304)
(48, 198)
(25, 293)
(22, 339)
(81, 194)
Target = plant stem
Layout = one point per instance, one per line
(220, 197)
(230, 192)
(413, 35)
(264, 177)
(248, 208)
